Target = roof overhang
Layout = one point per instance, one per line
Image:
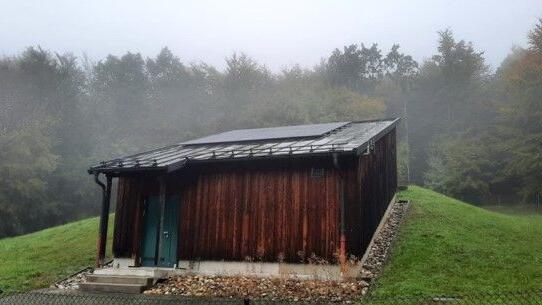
(180, 165)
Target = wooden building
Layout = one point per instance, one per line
(279, 194)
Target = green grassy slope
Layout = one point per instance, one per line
(36, 260)
(447, 246)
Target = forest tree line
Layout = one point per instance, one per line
(467, 131)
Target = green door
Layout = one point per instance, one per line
(149, 249)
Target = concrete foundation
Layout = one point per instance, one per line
(262, 269)
(123, 263)
(221, 268)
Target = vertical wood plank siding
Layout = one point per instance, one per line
(128, 201)
(266, 210)
(371, 185)
(260, 213)
(263, 211)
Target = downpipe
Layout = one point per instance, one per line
(104, 218)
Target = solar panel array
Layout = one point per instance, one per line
(272, 133)
(347, 137)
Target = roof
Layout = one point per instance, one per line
(260, 143)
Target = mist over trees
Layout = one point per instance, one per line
(467, 131)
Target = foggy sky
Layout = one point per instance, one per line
(277, 33)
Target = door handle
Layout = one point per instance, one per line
(166, 234)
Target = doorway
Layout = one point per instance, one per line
(152, 234)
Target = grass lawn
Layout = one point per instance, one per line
(447, 246)
(36, 260)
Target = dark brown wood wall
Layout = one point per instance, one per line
(129, 203)
(371, 183)
(263, 210)
(261, 213)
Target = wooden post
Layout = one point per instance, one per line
(342, 241)
(104, 221)
(342, 228)
(162, 199)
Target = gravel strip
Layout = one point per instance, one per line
(382, 245)
(72, 283)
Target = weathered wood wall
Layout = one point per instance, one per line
(260, 212)
(267, 210)
(128, 203)
(264, 211)
(371, 183)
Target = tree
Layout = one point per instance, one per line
(449, 97)
(535, 37)
(27, 161)
(522, 79)
(177, 99)
(119, 95)
(346, 68)
(245, 86)
(356, 68)
(461, 167)
(398, 66)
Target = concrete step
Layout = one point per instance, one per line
(111, 287)
(156, 273)
(120, 279)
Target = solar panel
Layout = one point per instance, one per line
(273, 133)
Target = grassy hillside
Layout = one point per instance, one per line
(36, 260)
(447, 246)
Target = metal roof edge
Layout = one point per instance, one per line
(393, 124)
(118, 170)
(258, 158)
(180, 165)
(394, 120)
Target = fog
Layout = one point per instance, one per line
(276, 33)
(90, 81)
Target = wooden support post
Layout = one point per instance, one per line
(162, 199)
(342, 249)
(342, 229)
(104, 221)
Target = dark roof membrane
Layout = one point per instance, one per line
(272, 133)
